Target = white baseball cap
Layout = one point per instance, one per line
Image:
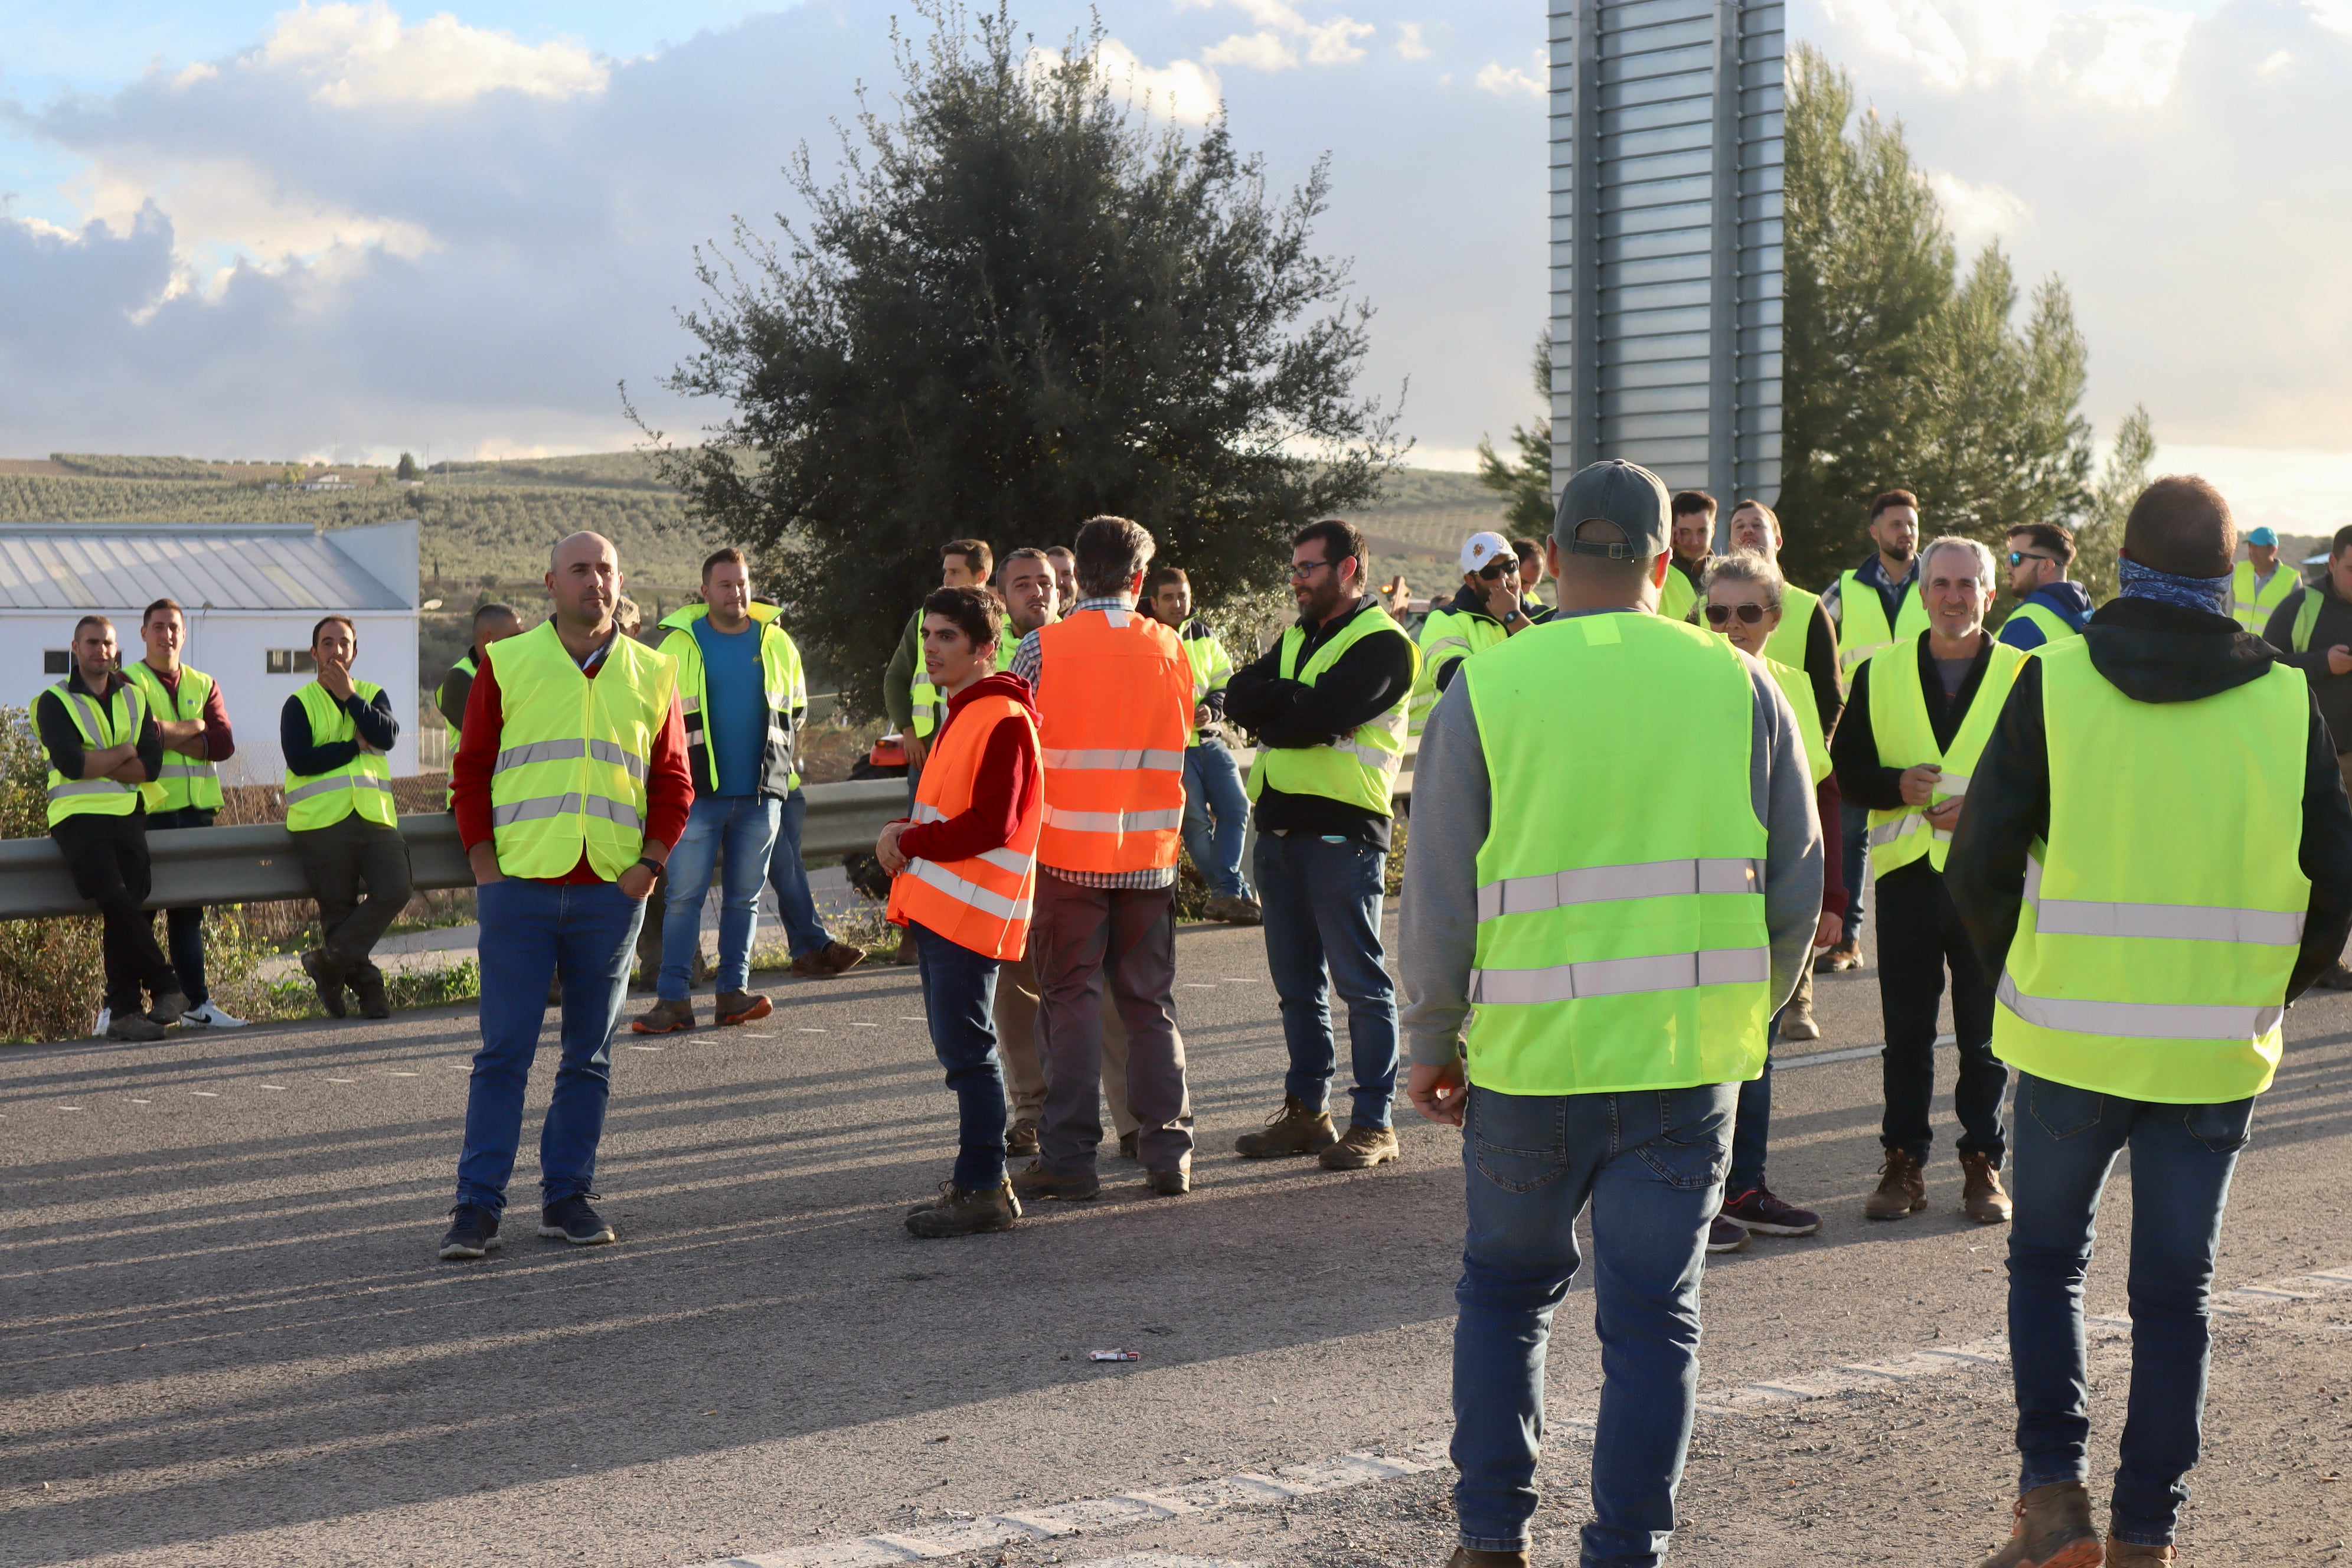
(1482, 548)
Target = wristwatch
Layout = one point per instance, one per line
(650, 864)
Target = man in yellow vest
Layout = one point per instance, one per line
(913, 704)
(1904, 750)
(1216, 807)
(1694, 551)
(2050, 608)
(335, 733)
(1484, 610)
(2259, 583)
(193, 723)
(1115, 695)
(1873, 605)
(2146, 945)
(491, 623)
(103, 748)
(2311, 630)
(1328, 703)
(1593, 936)
(572, 787)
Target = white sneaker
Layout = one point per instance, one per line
(211, 1015)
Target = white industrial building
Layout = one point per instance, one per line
(252, 594)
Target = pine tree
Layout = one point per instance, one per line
(2125, 475)
(1527, 480)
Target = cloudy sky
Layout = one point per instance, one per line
(236, 229)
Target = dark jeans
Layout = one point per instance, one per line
(1322, 910)
(803, 932)
(184, 924)
(107, 857)
(1650, 1165)
(582, 931)
(2182, 1156)
(959, 993)
(1752, 1131)
(1081, 942)
(1920, 936)
(1853, 822)
(336, 859)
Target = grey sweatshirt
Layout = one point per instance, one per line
(1437, 928)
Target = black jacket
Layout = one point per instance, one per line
(1369, 679)
(373, 720)
(2151, 652)
(2333, 692)
(64, 743)
(1863, 779)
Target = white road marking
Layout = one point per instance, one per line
(1846, 1053)
(809, 1031)
(912, 1018)
(206, 1093)
(865, 1025)
(1241, 980)
(645, 1047)
(343, 1080)
(959, 1537)
(71, 1107)
(272, 1087)
(405, 1075)
(1198, 985)
(142, 1102)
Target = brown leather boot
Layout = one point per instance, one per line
(1292, 1129)
(2124, 1555)
(1981, 1199)
(1470, 1557)
(1902, 1189)
(2052, 1529)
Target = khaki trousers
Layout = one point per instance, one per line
(1016, 1043)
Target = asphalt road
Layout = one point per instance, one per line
(224, 1338)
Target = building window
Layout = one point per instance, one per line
(291, 661)
(57, 661)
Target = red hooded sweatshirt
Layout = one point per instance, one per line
(1011, 774)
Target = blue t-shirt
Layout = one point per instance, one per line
(735, 715)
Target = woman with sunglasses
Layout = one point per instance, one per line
(1743, 603)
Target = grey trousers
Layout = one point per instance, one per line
(336, 859)
(1024, 1071)
(1083, 942)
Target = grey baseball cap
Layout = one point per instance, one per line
(1626, 494)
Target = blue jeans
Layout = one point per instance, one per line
(1322, 903)
(1751, 1130)
(802, 931)
(585, 932)
(1650, 1165)
(960, 999)
(1854, 822)
(746, 826)
(2063, 1144)
(1212, 790)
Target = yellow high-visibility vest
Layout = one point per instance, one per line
(362, 785)
(114, 723)
(1863, 631)
(1361, 768)
(1621, 942)
(2153, 951)
(187, 782)
(1898, 722)
(573, 753)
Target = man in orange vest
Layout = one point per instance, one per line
(964, 871)
(1116, 693)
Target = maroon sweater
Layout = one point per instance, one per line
(1011, 774)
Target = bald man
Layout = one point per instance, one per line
(571, 786)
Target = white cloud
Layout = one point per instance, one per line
(2279, 62)
(356, 56)
(1282, 33)
(1978, 215)
(2119, 57)
(1503, 80)
(1410, 45)
(1181, 91)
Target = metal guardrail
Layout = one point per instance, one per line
(257, 864)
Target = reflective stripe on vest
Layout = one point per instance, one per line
(1617, 950)
(116, 721)
(1905, 738)
(2159, 975)
(1447, 637)
(2251, 606)
(1359, 770)
(186, 781)
(1116, 692)
(361, 787)
(982, 903)
(1863, 631)
(570, 780)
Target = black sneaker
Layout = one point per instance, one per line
(1758, 1209)
(473, 1231)
(328, 976)
(571, 1219)
(367, 985)
(1723, 1236)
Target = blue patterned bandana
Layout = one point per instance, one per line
(2210, 594)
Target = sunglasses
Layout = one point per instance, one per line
(1496, 567)
(1720, 615)
(2019, 557)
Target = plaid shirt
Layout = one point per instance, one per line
(1027, 660)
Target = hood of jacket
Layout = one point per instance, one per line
(1004, 683)
(2071, 600)
(2155, 652)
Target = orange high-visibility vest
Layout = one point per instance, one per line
(1117, 694)
(982, 903)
